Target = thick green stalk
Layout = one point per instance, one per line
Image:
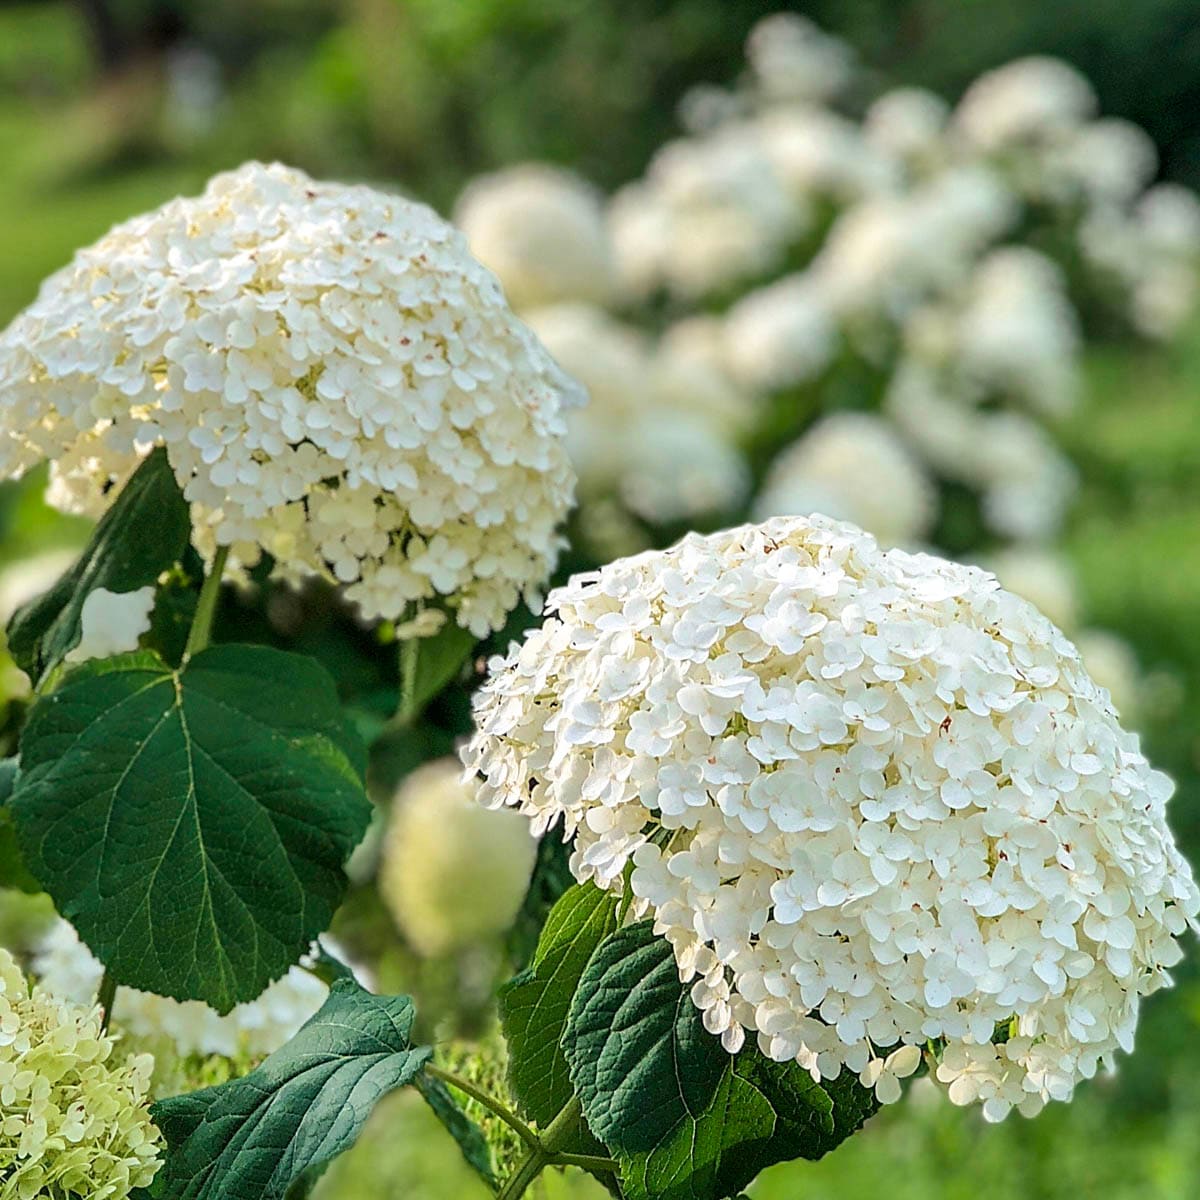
(558, 1133)
(206, 607)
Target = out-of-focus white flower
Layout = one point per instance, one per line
(111, 623)
(908, 124)
(887, 253)
(613, 363)
(681, 466)
(452, 874)
(28, 578)
(66, 969)
(542, 231)
(1112, 663)
(1034, 100)
(334, 378)
(706, 106)
(76, 1112)
(1043, 577)
(709, 213)
(1017, 334)
(852, 467)
(1025, 481)
(820, 156)
(689, 373)
(1105, 161)
(780, 335)
(872, 800)
(793, 59)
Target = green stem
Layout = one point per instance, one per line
(410, 650)
(105, 998)
(557, 1134)
(489, 1102)
(589, 1162)
(206, 606)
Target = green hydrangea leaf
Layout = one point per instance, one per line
(470, 1138)
(535, 1004)
(687, 1120)
(432, 662)
(256, 1137)
(144, 533)
(13, 871)
(193, 824)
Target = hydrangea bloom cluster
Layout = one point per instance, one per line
(542, 231)
(873, 801)
(66, 969)
(75, 1119)
(854, 467)
(452, 874)
(336, 381)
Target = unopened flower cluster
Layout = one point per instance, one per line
(66, 969)
(873, 800)
(336, 381)
(74, 1122)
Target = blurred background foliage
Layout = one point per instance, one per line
(109, 107)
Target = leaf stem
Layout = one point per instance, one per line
(494, 1106)
(410, 652)
(105, 998)
(557, 1134)
(206, 606)
(589, 1162)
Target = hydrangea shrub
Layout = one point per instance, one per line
(758, 827)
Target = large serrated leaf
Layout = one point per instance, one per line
(193, 823)
(534, 1005)
(144, 533)
(687, 1120)
(255, 1137)
(13, 871)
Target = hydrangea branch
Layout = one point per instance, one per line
(206, 607)
(490, 1102)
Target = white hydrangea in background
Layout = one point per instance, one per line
(793, 59)
(112, 623)
(76, 1121)
(28, 578)
(336, 381)
(909, 124)
(874, 801)
(67, 970)
(452, 874)
(542, 231)
(854, 467)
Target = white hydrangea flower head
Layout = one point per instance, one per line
(112, 622)
(691, 373)
(1044, 577)
(1106, 161)
(335, 379)
(1031, 101)
(66, 969)
(889, 252)
(452, 874)
(681, 466)
(709, 212)
(76, 1113)
(612, 361)
(1017, 331)
(820, 156)
(872, 800)
(780, 335)
(793, 59)
(541, 230)
(853, 467)
(909, 124)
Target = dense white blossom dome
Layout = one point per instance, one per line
(336, 381)
(66, 969)
(854, 467)
(794, 59)
(76, 1120)
(910, 124)
(452, 874)
(873, 800)
(542, 231)
(1031, 100)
